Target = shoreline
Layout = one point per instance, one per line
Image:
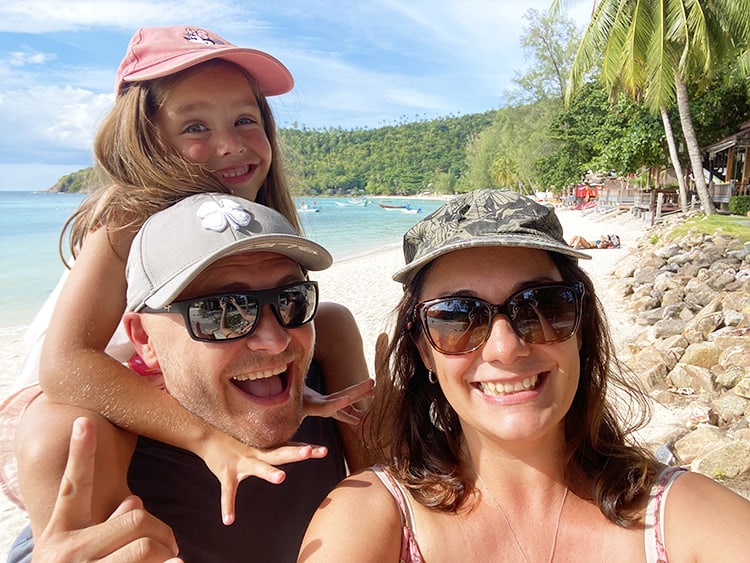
(363, 284)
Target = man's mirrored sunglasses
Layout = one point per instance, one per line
(228, 316)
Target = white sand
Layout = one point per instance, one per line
(364, 285)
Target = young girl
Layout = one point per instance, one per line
(190, 116)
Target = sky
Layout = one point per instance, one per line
(355, 64)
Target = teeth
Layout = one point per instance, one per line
(259, 374)
(235, 173)
(492, 388)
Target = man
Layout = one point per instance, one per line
(184, 261)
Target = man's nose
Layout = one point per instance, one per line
(268, 335)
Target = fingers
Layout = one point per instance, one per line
(140, 551)
(134, 535)
(73, 505)
(339, 405)
(228, 495)
(349, 415)
(382, 370)
(362, 390)
(130, 534)
(129, 503)
(262, 465)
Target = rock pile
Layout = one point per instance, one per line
(690, 302)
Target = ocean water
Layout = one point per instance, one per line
(30, 265)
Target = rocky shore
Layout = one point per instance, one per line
(688, 300)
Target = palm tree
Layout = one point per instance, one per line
(650, 48)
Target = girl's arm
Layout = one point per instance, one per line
(334, 535)
(75, 370)
(341, 357)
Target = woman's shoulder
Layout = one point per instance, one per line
(697, 508)
(333, 534)
(368, 487)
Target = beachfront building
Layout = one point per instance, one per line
(729, 162)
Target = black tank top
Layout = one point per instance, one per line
(177, 487)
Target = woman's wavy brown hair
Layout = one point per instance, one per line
(415, 431)
(144, 174)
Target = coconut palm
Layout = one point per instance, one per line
(651, 48)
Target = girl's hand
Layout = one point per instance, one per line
(339, 405)
(231, 462)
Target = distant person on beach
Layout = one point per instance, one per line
(496, 423)
(190, 116)
(249, 386)
(604, 241)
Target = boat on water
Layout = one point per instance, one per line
(403, 208)
(353, 203)
(305, 208)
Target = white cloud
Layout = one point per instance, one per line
(50, 120)
(23, 58)
(45, 16)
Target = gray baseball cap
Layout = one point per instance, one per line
(175, 245)
(485, 217)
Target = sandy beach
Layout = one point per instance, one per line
(364, 285)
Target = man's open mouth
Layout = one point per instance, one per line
(268, 383)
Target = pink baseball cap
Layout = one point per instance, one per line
(154, 52)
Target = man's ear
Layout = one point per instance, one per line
(138, 335)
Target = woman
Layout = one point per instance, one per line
(496, 430)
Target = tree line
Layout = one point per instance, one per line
(642, 88)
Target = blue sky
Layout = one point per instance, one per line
(356, 64)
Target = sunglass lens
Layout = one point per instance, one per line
(297, 305)
(224, 317)
(456, 325)
(544, 315)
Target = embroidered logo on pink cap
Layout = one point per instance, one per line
(154, 52)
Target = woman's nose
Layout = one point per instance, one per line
(503, 344)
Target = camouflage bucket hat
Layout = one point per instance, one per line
(483, 218)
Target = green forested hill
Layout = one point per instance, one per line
(82, 181)
(398, 159)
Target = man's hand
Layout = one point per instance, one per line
(130, 534)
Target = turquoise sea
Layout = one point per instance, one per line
(30, 266)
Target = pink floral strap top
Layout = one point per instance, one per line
(409, 549)
(654, 536)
